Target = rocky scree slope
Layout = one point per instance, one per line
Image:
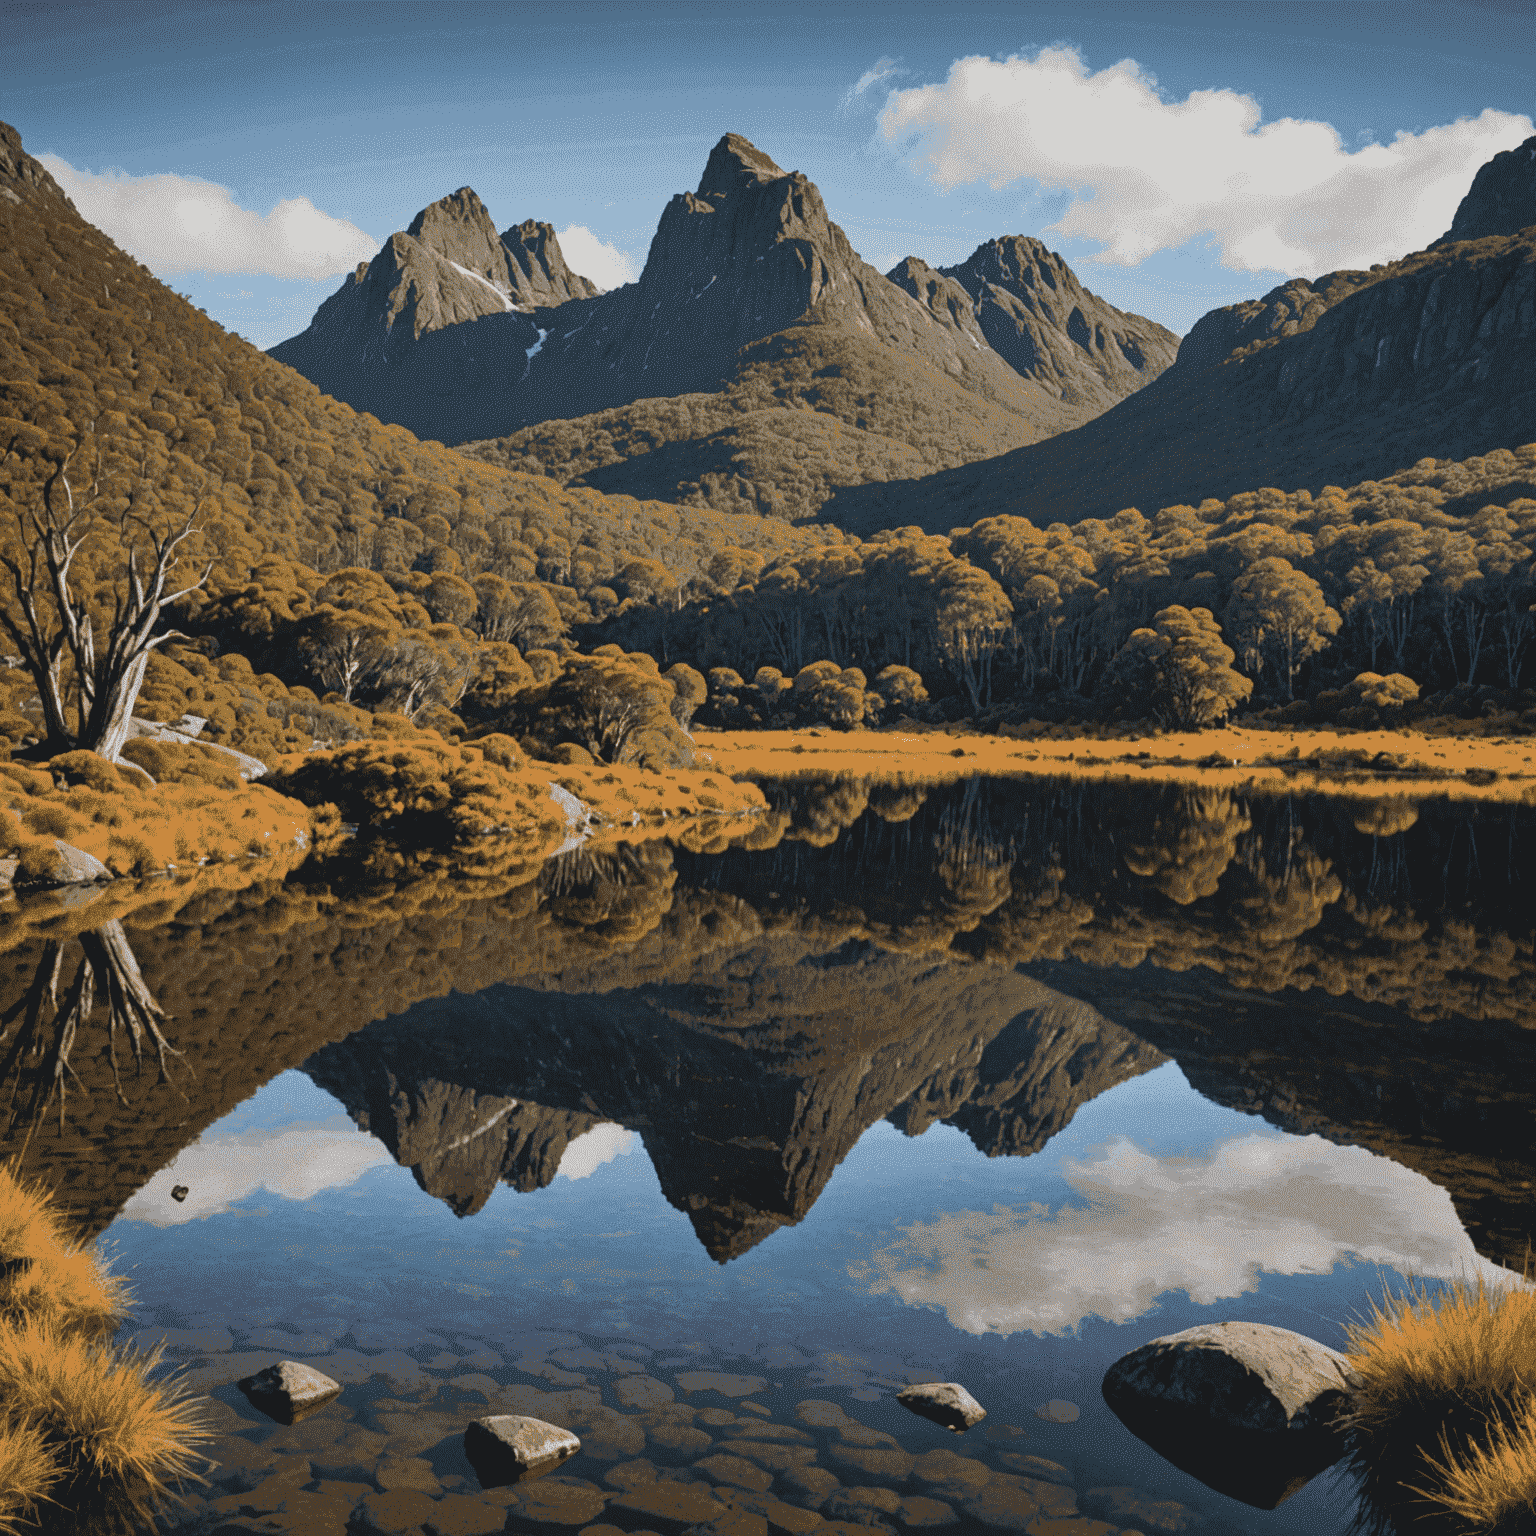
(1333, 381)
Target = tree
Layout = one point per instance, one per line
(1276, 608)
(689, 690)
(55, 624)
(519, 612)
(1180, 668)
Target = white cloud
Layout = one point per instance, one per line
(597, 260)
(1149, 174)
(296, 1163)
(584, 1156)
(182, 224)
(1203, 1225)
(882, 69)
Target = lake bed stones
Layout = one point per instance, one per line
(1249, 1409)
(508, 1448)
(288, 1391)
(1058, 1411)
(944, 1402)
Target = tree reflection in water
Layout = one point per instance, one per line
(1353, 967)
(41, 1031)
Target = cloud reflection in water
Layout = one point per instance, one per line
(589, 1151)
(296, 1161)
(1206, 1225)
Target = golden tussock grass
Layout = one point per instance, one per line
(1442, 1426)
(27, 1473)
(1254, 760)
(94, 1431)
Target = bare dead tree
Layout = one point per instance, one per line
(52, 623)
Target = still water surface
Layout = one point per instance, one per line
(992, 1084)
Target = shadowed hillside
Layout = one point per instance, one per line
(1346, 378)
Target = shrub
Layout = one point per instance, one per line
(1441, 1425)
(83, 1427)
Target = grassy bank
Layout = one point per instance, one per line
(1443, 1421)
(1406, 764)
(90, 1439)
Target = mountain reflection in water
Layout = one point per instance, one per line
(992, 955)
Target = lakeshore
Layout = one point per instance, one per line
(1405, 764)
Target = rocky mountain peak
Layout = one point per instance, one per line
(1502, 199)
(20, 174)
(537, 267)
(460, 230)
(1031, 310)
(735, 161)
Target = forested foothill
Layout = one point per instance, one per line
(348, 587)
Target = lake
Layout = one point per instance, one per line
(706, 1152)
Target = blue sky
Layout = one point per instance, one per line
(593, 115)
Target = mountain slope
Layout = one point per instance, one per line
(88, 336)
(1333, 381)
(752, 310)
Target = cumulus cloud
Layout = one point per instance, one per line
(182, 224)
(1146, 174)
(881, 70)
(296, 1163)
(595, 259)
(1204, 1225)
(584, 1156)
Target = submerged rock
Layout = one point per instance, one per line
(508, 1448)
(1248, 1409)
(945, 1402)
(289, 1391)
(1058, 1411)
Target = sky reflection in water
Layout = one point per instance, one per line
(1153, 1210)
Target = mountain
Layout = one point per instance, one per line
(88, 336)
(448, 267)
(744, 1075)
(757, 364)
(1336, 380)
(1502, 199)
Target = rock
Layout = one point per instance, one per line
(945, 1402)
(555, 1505)
(862, 1506)
(1058, 1411)
(289, 1391)
(735, 1472)
(808, 1487)
(179, 1193)
(8, 868)
(1126, 1507)
(642, 1392)
(1247, 1409)
(507, 1448)
(920, 1514)
(458, 1514)
(722, 1382)
(391, 1514)
(666, 1506)
(950, 1476)
(1036, 1466)
(76, 866)
(880, 1465)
